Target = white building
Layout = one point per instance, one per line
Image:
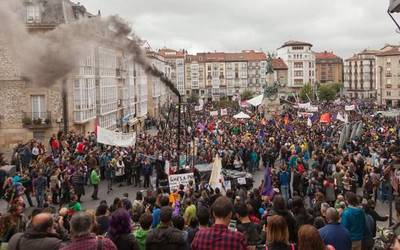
(176, 60)
(300, 61)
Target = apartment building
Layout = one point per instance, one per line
(102, 90)
(360, 75)
(388, 76)
(329, 68)
(218, 74)
(176, 60)
(300, 61)
(159, 96)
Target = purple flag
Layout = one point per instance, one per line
(267, 189)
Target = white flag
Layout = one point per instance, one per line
(224, 112)
(309, 122)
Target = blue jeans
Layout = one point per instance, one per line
(285, 192)
(40, 198)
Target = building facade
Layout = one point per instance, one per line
(360, 75)
(280, 72)
(159, 96)
(300, 61)
(388, 76)
(212, 76)
(106, 88)
(176, 60)
(329, 68)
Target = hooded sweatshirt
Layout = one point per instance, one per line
(141, 236)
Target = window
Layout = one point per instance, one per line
(388, 81)
(298, 73)
(32, 14)
(388, 93)
(298, 65)
(38, 106)
(298, 81)
(298, 48)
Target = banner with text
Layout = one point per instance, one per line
(112, 138)
(178, 179)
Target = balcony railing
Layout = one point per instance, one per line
(36, 119)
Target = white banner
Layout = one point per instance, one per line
(177, 179)
(304, 105)
(224, 112)
(312, 109)
(213, 113)
(349, 107)
(112, 138)
(216, 177)
(198, 108)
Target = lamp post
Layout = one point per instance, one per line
(64, 96)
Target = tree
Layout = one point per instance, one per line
(193, 98)
(328, 92)
(224, 102)
(246, 95)
(306, 92)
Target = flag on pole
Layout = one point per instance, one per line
(325, 118)
(309, 122)
(286, 119)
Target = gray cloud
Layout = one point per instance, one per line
(344, 26)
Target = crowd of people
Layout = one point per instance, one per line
(317, 193)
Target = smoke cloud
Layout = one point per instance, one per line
(45, 58)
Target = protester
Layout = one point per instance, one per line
(334, 233)
(219, 236)
(353, 219)
(120, 229)
(82, 238)
(278, 234)
(39, 236)
(165, 236)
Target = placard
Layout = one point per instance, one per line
(178, 179)
(241, 181)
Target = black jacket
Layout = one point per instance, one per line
(126, 242)
(165, 238)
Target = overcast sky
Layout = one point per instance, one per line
(344, 26)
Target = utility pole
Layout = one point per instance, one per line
(64, 96)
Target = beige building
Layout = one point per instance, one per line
(388, 76)
(176, 60)
(219, 74)
(360, 75)
(329, 68)
(280, 74)
(101, 91)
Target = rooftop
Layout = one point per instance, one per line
(389, 50)
(170, 53)
(295, 43)
(278, 63)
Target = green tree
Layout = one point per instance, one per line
(193, 98)
(246, 95)
(224, 102)
(328, 92)
(305, 91)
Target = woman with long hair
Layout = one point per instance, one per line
(310, 239)
(278, 234)
(120, 230)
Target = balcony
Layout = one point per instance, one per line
(36, 120)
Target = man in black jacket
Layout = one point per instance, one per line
(165, 237)
(40, 236)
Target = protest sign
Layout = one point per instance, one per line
(177, 179)
(213, 113)
(112, 138)
(224, 112)
(349, 107)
